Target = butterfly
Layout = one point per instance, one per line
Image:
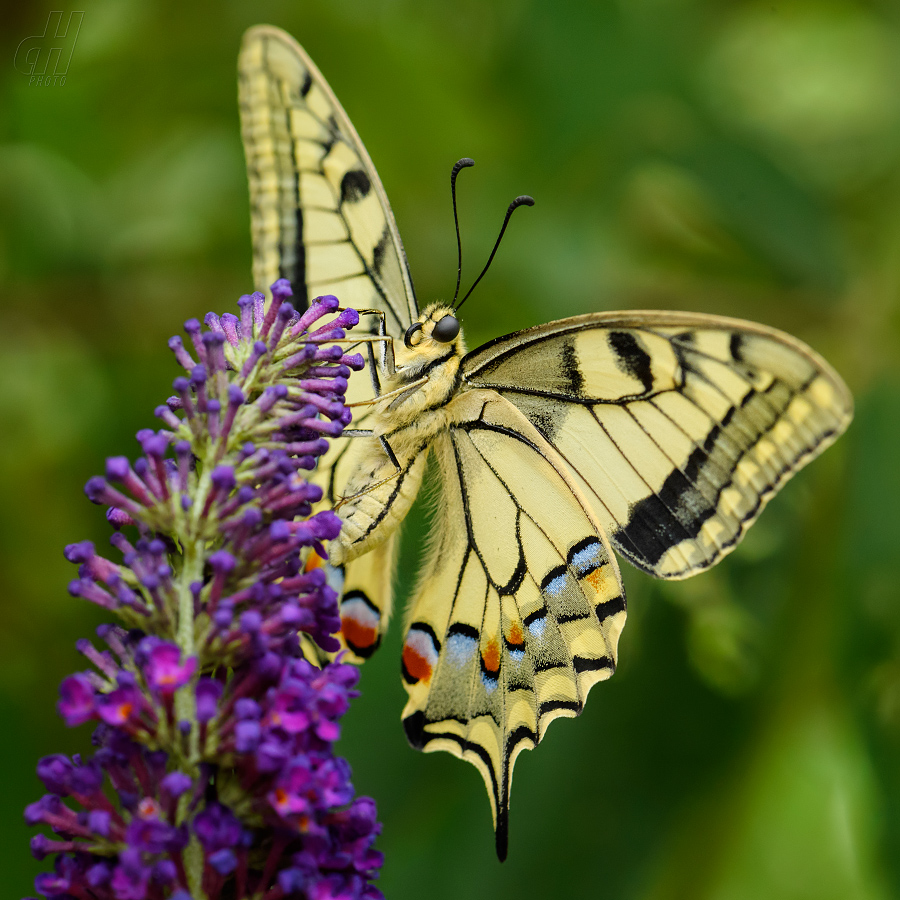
(658, 435)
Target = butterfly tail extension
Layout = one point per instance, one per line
(520, 607)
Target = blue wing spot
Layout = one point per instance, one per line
(586, 557)
(536, 622)
(489, 682)
(554, 582)
(460, 646)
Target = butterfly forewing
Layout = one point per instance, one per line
(677, 428)
(319, 215)
(520, 605)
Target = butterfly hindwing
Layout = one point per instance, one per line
(677, 428)
(365, 604)
(520, 604)
(319, 215)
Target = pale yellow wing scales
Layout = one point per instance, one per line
(319, 214)
(520, 605)
(677, 428)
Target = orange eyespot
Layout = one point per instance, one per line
(417, 666)
(356, 634)
(491, 656)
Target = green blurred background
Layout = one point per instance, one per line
(710, 155)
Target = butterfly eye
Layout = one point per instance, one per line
(408, 337)
(446, 329)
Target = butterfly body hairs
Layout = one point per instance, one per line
(660, 435)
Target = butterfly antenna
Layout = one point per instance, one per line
(524, 200)
(464, 163)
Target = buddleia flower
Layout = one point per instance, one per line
(213, 772)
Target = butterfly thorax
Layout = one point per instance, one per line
(430, 367)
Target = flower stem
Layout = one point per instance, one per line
(185, 701)
(193, 868)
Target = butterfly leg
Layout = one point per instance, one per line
(367, 432)
(387, 350)
(395, 393)
(376, 484)
(390, 453)
(367, 489)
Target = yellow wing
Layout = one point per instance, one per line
(520, 605)
(319, 215)
(676, 428)
(321, 219)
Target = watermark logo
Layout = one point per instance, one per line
(45, 58)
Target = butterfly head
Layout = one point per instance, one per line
(436, 330)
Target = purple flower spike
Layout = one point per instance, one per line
(117, 468)
(118, 518)
(285, 314)
(278, 297)
(167, 416)
(131, 877)
(56, 773)
(231, 325)
(222, 562)
(215, 357)
(198, 376)
(210, 727)
(122, 706)
(319, 307)
(81, 552)
(259, 302)
(183, 388)
(223, 861)
(259, 350)
(245, 304)
(192, 327)
(176, 783)
(354, 361)
(223, 478)
(282, 289)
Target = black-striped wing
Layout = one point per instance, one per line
(520, 605)
(676, 428)
(319, 215)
